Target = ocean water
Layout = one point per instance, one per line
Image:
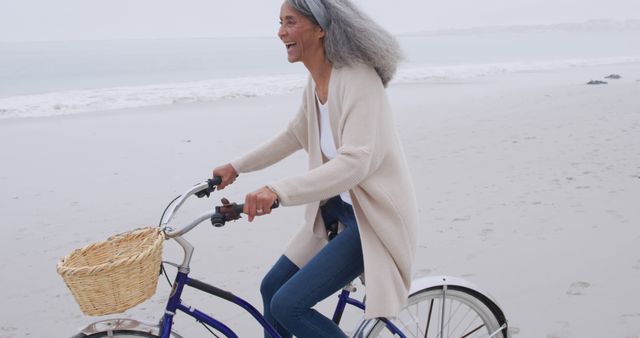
(76, 77)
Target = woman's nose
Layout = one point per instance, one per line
(281, 32)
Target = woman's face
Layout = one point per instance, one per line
(301, 36)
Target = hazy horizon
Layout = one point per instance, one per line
(39, 20)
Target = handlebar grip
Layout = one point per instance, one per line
(230, 212)
(216, 180)
(237, 208)
(212, 183)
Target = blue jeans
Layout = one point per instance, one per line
(289, 293)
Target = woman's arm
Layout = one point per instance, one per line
(284, 144)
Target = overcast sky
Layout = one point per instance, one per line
(26, 20)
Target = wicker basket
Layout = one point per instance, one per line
(114, 275)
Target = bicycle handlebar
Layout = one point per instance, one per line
(220, 215)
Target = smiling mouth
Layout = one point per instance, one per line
(289, 45)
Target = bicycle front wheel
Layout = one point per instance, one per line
(121, 334)
(440, 312)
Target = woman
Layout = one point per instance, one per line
(358, 175)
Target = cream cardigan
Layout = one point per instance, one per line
(370, 164)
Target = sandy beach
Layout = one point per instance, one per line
(528, 185)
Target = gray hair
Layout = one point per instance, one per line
(352, 37)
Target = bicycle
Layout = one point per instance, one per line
(437, 306)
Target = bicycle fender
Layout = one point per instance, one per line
(122, 324)
(436, 281)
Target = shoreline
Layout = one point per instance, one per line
(98, 100)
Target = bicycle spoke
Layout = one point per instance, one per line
(438, 320)
(451, 315)
(405, 325)
(417, 322)
(474, 321)
(463, 320)
(472, 332)
(426, 331)
(418, 315)
(448, 321)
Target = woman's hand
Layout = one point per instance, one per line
(259, 202)
(228, 174)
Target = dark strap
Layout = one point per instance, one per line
(332, 230)
(330, 223)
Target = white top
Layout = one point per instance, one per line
(327, 145)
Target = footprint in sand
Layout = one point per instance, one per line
(486, 232)
(6, 331)
(625, 318)
(578, 288)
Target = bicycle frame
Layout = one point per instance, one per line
(175, 305)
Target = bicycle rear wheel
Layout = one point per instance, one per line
(440, 312)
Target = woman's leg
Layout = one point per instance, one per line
(281, 271)
(337, 264)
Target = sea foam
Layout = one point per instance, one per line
(93, 100)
